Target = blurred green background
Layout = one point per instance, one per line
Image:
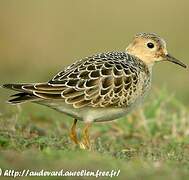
(40, 37)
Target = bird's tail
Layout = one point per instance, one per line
(22, 96)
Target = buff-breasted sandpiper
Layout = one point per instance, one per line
(100, 87)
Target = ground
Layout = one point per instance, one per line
(151, 143)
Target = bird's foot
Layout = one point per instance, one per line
(73, 134)
(85, 143)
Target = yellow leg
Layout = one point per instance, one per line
(85, 144)
(73, 135)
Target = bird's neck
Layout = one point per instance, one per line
(150, 67)
(145, 58)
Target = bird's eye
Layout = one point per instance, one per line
(150, 45)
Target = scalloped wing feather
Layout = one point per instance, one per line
(107, 79)
(103, 80)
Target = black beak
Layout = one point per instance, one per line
(174, 60)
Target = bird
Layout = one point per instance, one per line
(99, 88)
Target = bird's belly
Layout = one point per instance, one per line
(88, 114)
(103, 114)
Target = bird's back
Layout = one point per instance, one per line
(113, 79)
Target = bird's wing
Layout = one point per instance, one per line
(107, 79)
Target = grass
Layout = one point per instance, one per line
(152, 143)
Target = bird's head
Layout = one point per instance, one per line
(151, 48)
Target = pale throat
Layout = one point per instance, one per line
(147, 59)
